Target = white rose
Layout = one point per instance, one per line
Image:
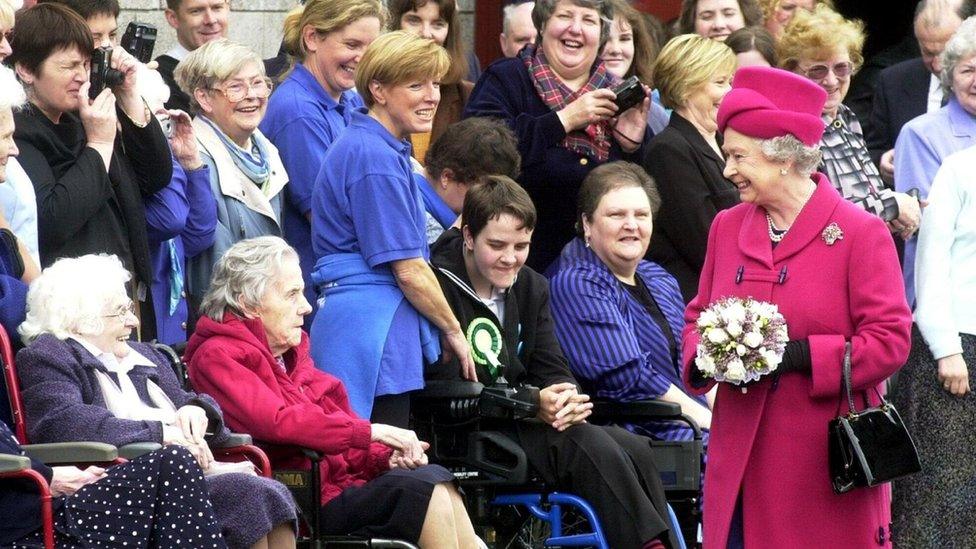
(752, 340)
(740, 350)
(734, 329)
(717, 335)
(734, 313)
(707, 319)
(735, 371)
(766, 310)
(705, 364)
(771, 358)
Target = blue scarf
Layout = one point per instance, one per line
(434, 204)
(254, 163)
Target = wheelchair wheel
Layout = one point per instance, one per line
(528, 532)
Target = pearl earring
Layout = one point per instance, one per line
(586, 240)
(783, 171)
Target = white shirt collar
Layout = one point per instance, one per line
(111, 362)
(178, 52)
(935, 96)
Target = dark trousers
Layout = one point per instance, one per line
(609, 467)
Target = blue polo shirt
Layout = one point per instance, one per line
(365, 199)
(303, 121)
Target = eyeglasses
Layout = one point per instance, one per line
(236, 92)
(130, 308)
(819, 72)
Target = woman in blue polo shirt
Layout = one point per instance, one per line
(313, 103)
(382, 306)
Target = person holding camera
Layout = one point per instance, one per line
(693, 74)
(556, 96)
(78, 141)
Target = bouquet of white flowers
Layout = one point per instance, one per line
(741, 340)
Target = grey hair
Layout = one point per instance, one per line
(544, 9)
(934, 14)
(961, 45)
(787, 148)
(507, 12)
(69, 297)
(12, 94)
(211, 64)
(242, 276)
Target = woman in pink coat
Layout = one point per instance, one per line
(832, 270)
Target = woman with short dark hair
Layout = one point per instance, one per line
(619, 317)
(91, 161)
(717, 19)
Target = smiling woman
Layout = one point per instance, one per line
(311, 107)
(369, 234)
(229, 93)
(716, 19)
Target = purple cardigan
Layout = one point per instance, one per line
(186, 212)
(63, 402)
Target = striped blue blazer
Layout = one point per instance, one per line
(614, 347)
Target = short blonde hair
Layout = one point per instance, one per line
(326, 16)
(768, 7)
(211, 64)
(818, 34)
(686, 62)
(70, 295)
(398, 57)
(12, 94)
(6, 14)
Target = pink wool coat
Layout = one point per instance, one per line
(770, 442)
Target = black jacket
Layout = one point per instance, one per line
(81, 209)
(901, 94)
(530, 351)
(688, 174)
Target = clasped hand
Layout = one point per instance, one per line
(409, 452)
(67, 480)
(562, 406)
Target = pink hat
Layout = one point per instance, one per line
(765, 102)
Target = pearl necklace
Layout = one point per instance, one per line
(774, 235)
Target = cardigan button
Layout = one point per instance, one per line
(183, 325)
(584, 161)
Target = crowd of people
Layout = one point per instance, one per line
(330, 229)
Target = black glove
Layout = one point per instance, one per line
(796, 357)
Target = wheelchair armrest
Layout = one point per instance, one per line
(72, 452)
(449, 389)
(234, 439)
(635, 411)
(136, 449)
(10, 463)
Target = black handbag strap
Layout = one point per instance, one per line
(847, 377)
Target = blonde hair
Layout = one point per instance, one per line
(211, 64)
(6, 14)
(12, 94)
(769, 7)
(686, 62)
(326, 16)
(70, 295)
(819, 33)
(398, 57)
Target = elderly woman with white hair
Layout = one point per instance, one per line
(229, 96)
(250, 352)
(84, 380)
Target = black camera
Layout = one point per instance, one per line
(139, 40)
(629, 93)
(102, 74)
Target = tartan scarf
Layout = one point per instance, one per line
(592, 141)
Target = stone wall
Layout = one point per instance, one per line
(256, 23)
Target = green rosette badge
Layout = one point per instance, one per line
(486, 343)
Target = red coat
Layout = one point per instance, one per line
(232, 362)
(771, 443)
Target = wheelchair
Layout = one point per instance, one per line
(512, 507)
(304, 484)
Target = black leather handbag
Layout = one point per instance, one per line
(869, 447)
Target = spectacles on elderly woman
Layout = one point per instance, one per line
(819, 72)
(123, 310)
(237, 91)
